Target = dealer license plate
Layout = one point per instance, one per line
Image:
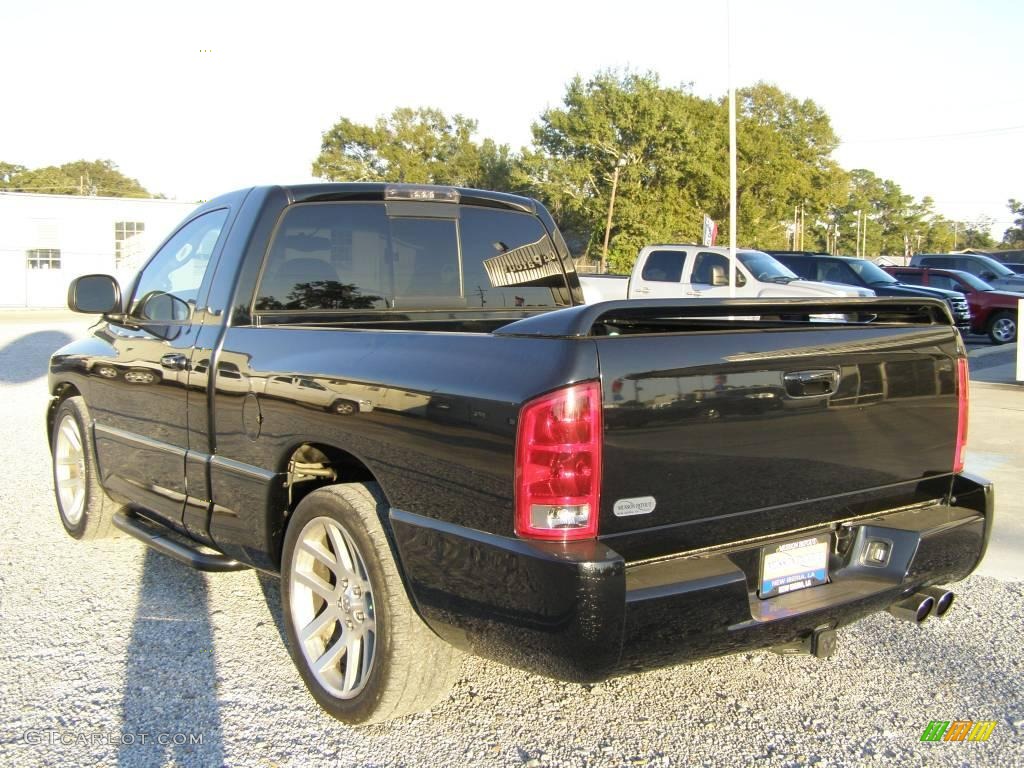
(794, 565)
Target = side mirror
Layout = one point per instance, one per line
(719, 277)
(988, 276)
(94, 295)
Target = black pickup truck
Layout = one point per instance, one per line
(394, 397)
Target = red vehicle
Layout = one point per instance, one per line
(992, 312)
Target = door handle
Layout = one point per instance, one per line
(643, 290)
(174, 362)
(811, 383)
(693, 293)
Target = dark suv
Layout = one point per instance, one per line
(988, 269)
(864, 273)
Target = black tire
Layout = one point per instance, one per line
(94, 518)
(411, 668)
(1002, 328)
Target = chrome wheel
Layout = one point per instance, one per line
(139, 377)
(1004, 330)
(69, 470)
(331, 604)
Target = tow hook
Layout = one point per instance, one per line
(821, 644)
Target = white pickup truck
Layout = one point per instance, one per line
(699, 271)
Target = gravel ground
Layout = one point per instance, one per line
(107, 642)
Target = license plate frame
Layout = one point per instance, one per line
(792, 565)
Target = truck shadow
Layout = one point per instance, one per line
(271, 586)
(26, 358)
(170, 711)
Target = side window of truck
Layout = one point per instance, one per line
(664, 266)
(713, 269)
(509, 261)
(170, 282)
(945, 282)
(804, 268)
(832, 271)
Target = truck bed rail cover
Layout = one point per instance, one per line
(578, 321)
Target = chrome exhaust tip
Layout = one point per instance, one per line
(943, 599)
(915, 608)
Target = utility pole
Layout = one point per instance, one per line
(611, 207)
(732, 151)
(857, 225)
(801, 226)
(956, 226)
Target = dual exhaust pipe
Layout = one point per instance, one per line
(930, 601)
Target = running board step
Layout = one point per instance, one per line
(180, 549)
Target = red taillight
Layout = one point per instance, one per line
(558, 464)
(962, 386)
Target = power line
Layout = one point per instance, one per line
(984, 132)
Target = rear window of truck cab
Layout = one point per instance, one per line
(363, 256)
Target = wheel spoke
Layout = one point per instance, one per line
(70, 431)
(330, 656)
(341, 550)
(320, 553)
(315, 583)
(368, 648)
(327, 617)
(352, 661)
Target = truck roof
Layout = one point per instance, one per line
(374, 190)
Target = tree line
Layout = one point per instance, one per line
(671, 149)
(81, 177)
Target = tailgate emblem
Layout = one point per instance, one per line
(642, 505)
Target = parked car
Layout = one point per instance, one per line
(992, 312)
(489, 501)
(993, 272)
(699, 271)
(864, 273)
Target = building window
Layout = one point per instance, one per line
(43, 258)
(123, 232)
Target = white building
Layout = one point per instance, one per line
(47, 240)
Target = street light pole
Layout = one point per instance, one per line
(620, 163)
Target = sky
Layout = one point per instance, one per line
(196, 99)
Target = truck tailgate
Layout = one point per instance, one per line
(715, 437)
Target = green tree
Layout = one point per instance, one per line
(783, 147)
(81, 177)
(669, 142)
(1014, 236)
(417, 146)
(976, 234)
(8, 171)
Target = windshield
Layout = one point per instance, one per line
(870, 272)
(972, 280)
(998, 268)
(763, 267)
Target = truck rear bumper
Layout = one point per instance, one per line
(577, 612)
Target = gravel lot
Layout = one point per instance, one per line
(107, 643)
